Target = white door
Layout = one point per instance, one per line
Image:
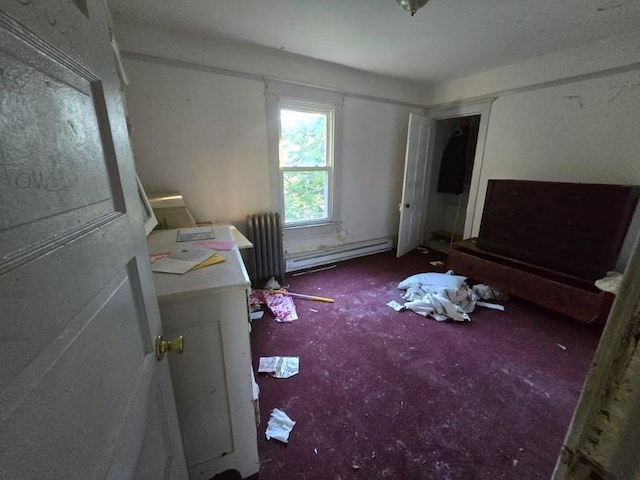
(415, 188)
(81, 393)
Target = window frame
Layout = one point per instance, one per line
(329, 111)
(280, 95)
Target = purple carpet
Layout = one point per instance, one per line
(388, 395)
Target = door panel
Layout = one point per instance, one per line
(49, 128)
(156, 457)
(87, 405)
(81, 393)
(416, 183)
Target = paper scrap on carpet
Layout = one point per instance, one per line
(493, 306)
(610, 283)
(395, 305)
(279, 367)
(281, 306)
(279, 426)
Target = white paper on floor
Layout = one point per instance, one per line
(395, 305)
(493, 306)
(279, 426)
(279, 367)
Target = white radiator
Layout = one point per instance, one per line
(337, 254)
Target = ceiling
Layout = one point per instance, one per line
(446, 39)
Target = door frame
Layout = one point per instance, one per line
(482, 108)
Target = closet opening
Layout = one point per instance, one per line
(454, 149)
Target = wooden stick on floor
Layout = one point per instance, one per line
(304, 297)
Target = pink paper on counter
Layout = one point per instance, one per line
(216, 244)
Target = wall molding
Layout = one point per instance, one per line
(582, 77)
(259, 78)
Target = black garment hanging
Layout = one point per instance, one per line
(451, 179)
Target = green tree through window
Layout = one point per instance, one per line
(304, 164)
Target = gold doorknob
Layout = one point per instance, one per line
(175, 345)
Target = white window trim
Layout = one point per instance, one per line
(281, 94)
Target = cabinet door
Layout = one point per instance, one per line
(213, 382)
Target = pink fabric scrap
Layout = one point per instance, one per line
(280, 305)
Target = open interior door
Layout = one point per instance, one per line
(82, 395)
(415, 188)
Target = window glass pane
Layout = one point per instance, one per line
(305, 196)
(303, 139)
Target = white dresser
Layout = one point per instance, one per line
(212, 379)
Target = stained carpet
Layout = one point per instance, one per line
(392, 395)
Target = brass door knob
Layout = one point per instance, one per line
(175, 345)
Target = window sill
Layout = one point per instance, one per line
(300, 232)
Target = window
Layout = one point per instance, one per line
(303, 145)
(305, 161)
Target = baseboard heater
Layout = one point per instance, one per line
(337, 254)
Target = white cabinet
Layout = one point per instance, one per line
(212, 379)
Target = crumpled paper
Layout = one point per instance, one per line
(279, 426)
(610, 283)
(279, 367)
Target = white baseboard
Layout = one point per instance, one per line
(337, 254)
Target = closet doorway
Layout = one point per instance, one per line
(456, 161)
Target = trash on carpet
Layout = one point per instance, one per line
(280, 305)
(272, 284)
(486, 292)
(562, 347)
(610, 283)
(395, 305)
(257, 315)
(493, 306)
(279, 367)
(442, 296)
(279, 426)
(437, 263)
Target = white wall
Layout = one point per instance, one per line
(204, 134)
(604, 57)
(577, 125)
(375, 137)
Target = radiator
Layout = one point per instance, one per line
(265, 232)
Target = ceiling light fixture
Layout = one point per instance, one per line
(412, 6)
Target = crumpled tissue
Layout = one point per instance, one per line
(279, 426)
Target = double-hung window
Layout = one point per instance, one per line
(306, 157)
(305, 160)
